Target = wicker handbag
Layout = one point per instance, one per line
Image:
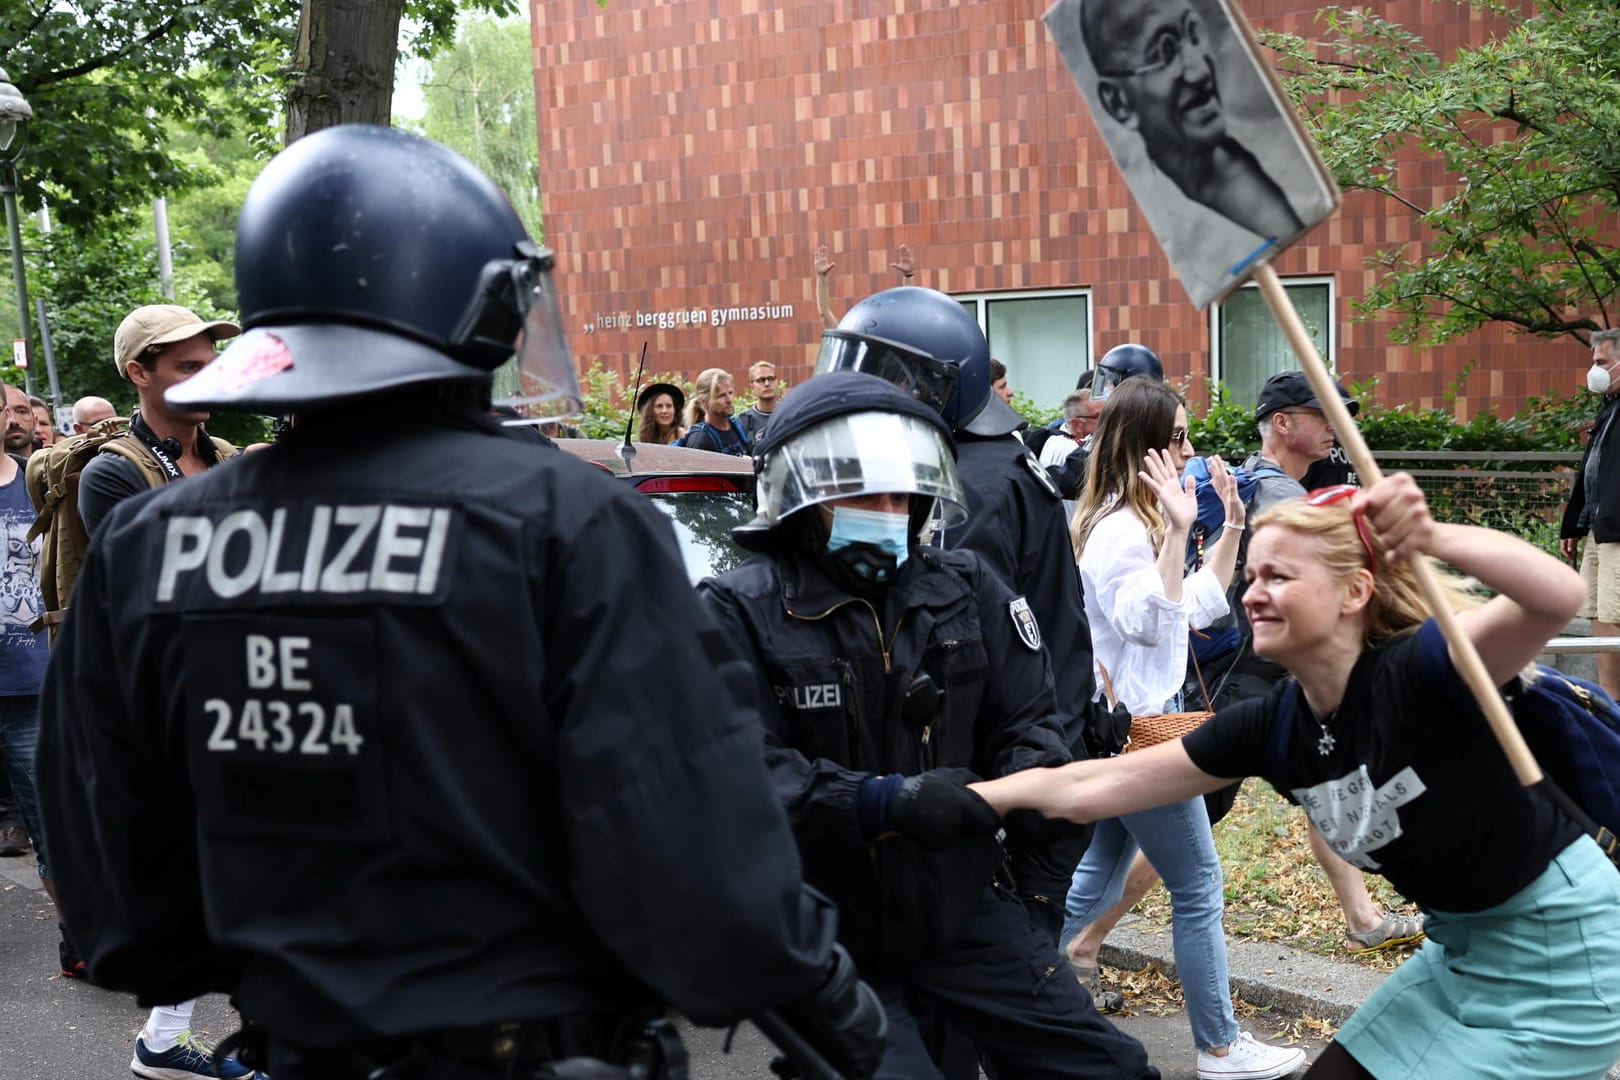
(1162, 727)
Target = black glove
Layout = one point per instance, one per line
(843, 1022)
(935, 809)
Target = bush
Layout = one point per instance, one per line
(1550, 423)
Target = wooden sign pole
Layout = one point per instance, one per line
(1467, 659)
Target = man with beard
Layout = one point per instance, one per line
(20, 423)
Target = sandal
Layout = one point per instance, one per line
(1107, 1001)
(1394, 930)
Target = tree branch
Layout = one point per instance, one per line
(107, 58)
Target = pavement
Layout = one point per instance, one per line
(57, 1028)
(1266, 974)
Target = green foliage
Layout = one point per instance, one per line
(1227, 426)
(1523, 229)
(609, 401)
(106, 79)
(480, 101)
(430, 25)
(1037, 415)
(1526, 503)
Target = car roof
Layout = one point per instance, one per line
(656, 459)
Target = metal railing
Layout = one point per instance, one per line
(1562, 646)
(1522, 492)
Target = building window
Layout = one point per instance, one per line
(1044, 338)
(1248, 346)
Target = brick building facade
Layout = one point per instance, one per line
(694, 153)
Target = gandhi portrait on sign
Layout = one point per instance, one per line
(1212, 153)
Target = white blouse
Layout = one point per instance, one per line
(1137, 631)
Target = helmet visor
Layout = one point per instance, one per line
(864, 453)
(539, 381)
(925, 378)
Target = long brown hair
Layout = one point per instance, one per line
(1138, 417)
(1396, 606)
(650, 432)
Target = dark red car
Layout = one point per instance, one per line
(704, 494)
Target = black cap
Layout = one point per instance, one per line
(654, 389)
(1289, 389)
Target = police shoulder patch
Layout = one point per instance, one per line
(1029, 631)
(1037, 470)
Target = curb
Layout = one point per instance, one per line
(1264, 973)
(1268, 974)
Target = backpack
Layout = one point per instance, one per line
(702, 436)
(1229, 633)
(53, 487)
(1571, 726)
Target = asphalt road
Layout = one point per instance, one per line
(58, 1029)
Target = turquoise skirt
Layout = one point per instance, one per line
(1528, 989)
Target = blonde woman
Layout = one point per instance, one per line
(1378, 739)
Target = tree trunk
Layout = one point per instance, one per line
(343, 69)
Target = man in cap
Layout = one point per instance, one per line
(381, 659)
(900, 673)
(156, 347)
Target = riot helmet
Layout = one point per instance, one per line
(843, 434)
(928, 345)
(1121, 363)
(369, 259)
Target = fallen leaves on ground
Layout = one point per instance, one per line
(1275, 891)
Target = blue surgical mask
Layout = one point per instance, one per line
(888, 533)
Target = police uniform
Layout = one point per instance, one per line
(926, 343)
(940, 670)
(283, 665)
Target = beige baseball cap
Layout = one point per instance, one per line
(162, 324)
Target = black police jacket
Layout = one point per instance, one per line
(381, 731)
(839, 670)
(1016, 524)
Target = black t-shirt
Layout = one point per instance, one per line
(705, 436)
(1414, 786)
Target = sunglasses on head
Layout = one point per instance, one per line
(1338, 493)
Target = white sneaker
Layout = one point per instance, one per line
(1250, 1059)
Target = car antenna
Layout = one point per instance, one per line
(627, 450)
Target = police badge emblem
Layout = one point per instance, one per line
(1029, 631)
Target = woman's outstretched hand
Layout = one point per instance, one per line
(1179, 500)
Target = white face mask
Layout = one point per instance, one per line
(1597, 379)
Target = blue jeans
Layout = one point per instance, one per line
(1177, 841)
(19, 738)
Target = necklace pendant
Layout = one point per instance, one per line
(1324, 745)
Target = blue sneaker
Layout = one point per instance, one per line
(190, 1058)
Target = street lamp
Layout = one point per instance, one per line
(15, 112)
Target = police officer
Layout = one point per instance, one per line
(927, 343)
(901, 672)
(1123, 362)
(1117, 364)
(358, 730)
